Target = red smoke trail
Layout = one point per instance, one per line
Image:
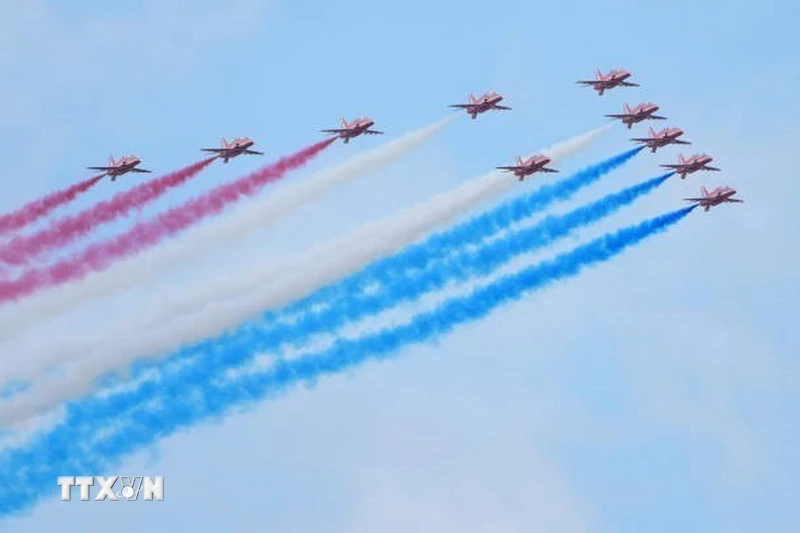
(99, 256)
(22, 248)
(35, 210)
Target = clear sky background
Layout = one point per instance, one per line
(658, 392)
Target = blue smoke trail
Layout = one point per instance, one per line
(272, 335)
(28, 473)
(421, 255)
(396, 288)
(474, 230)
(418, 256)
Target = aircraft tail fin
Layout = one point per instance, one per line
(627, 109)
(472, 98)
(704, 191)
(652, 132)
(599, 74)
(224, 142)
(111, 161)
(344, 123)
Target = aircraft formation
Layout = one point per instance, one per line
(523, 168)
(420, 251)
(660, 139)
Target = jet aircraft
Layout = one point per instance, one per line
(718, 196)
(353, 129)
(482, 104)
(125, 164)
(693, 164)
(237, 147)
(604, 82)
(526, 167)
(637, 114)
(662, 138)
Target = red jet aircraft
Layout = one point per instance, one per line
(693, 164)
(637, 114)
(229, 150)
(482, 104)
(526, 167)
(662, 138)
(358, 127)
(720, 195)
(604, 82)
(126, 164)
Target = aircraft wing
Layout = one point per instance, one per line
(675, 167)
(461, 106)
(676, 141)
(629, 84)
(253, 152)
(336, 130)
(373, 132)
(504, 108)
(735, 200)
(214, 150)
(544, 169)
(656, 117)
(643, 140)
(712, 168)
(140, 170)
(586, 82)
(510, 169)
(618, 116)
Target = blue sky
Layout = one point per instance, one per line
(654, 393)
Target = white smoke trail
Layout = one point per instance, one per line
(216, 307)
(576, 144)
(149, 266)
(366, 244)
